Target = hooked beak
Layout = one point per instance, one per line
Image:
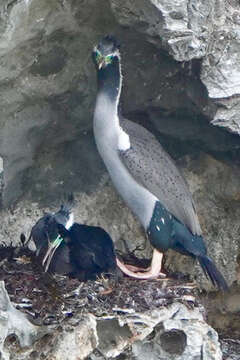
(101, 64)
(52, 247)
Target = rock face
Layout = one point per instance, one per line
(215, 186)
(13, 322)
(221, 70)
(207, 31)
(47, 83)
(182, 27)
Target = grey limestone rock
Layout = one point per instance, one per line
(182, 27)
(175, 332)
(195, 30)
(48, 86)
(221, 71)
(13, 322)
(78, 343)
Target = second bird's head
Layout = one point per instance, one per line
(105, 52)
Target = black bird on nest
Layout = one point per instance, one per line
(65, 247)
(91, 250)
(45, 232)
(145, 175)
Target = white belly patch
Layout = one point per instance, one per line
(123, 140)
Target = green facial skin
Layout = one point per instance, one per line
(57, 241)
(107, 59)
(98, 56)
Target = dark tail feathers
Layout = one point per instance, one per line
(211, 272)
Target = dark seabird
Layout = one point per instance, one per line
(45, 232)
(145, 175)
(91, 250)
(73, 249)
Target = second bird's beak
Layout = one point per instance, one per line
(52, 247)
(101, 64)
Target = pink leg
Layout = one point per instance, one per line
(136, 268)
(153, 273)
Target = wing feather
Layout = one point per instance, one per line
(153, 168)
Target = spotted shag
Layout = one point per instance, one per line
(145, 175)
(91, 250)
(45, 232)
(69, 248)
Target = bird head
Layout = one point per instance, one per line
(53, 244)
(105, 52)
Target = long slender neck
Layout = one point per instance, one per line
(110, 81)
(106, 121)
(110, 138)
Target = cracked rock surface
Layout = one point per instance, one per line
(188, 30)
(175, 332)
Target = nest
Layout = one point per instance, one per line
(49, 299)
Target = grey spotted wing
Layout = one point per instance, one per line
(153, 168)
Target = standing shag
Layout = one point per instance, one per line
(145, 175)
